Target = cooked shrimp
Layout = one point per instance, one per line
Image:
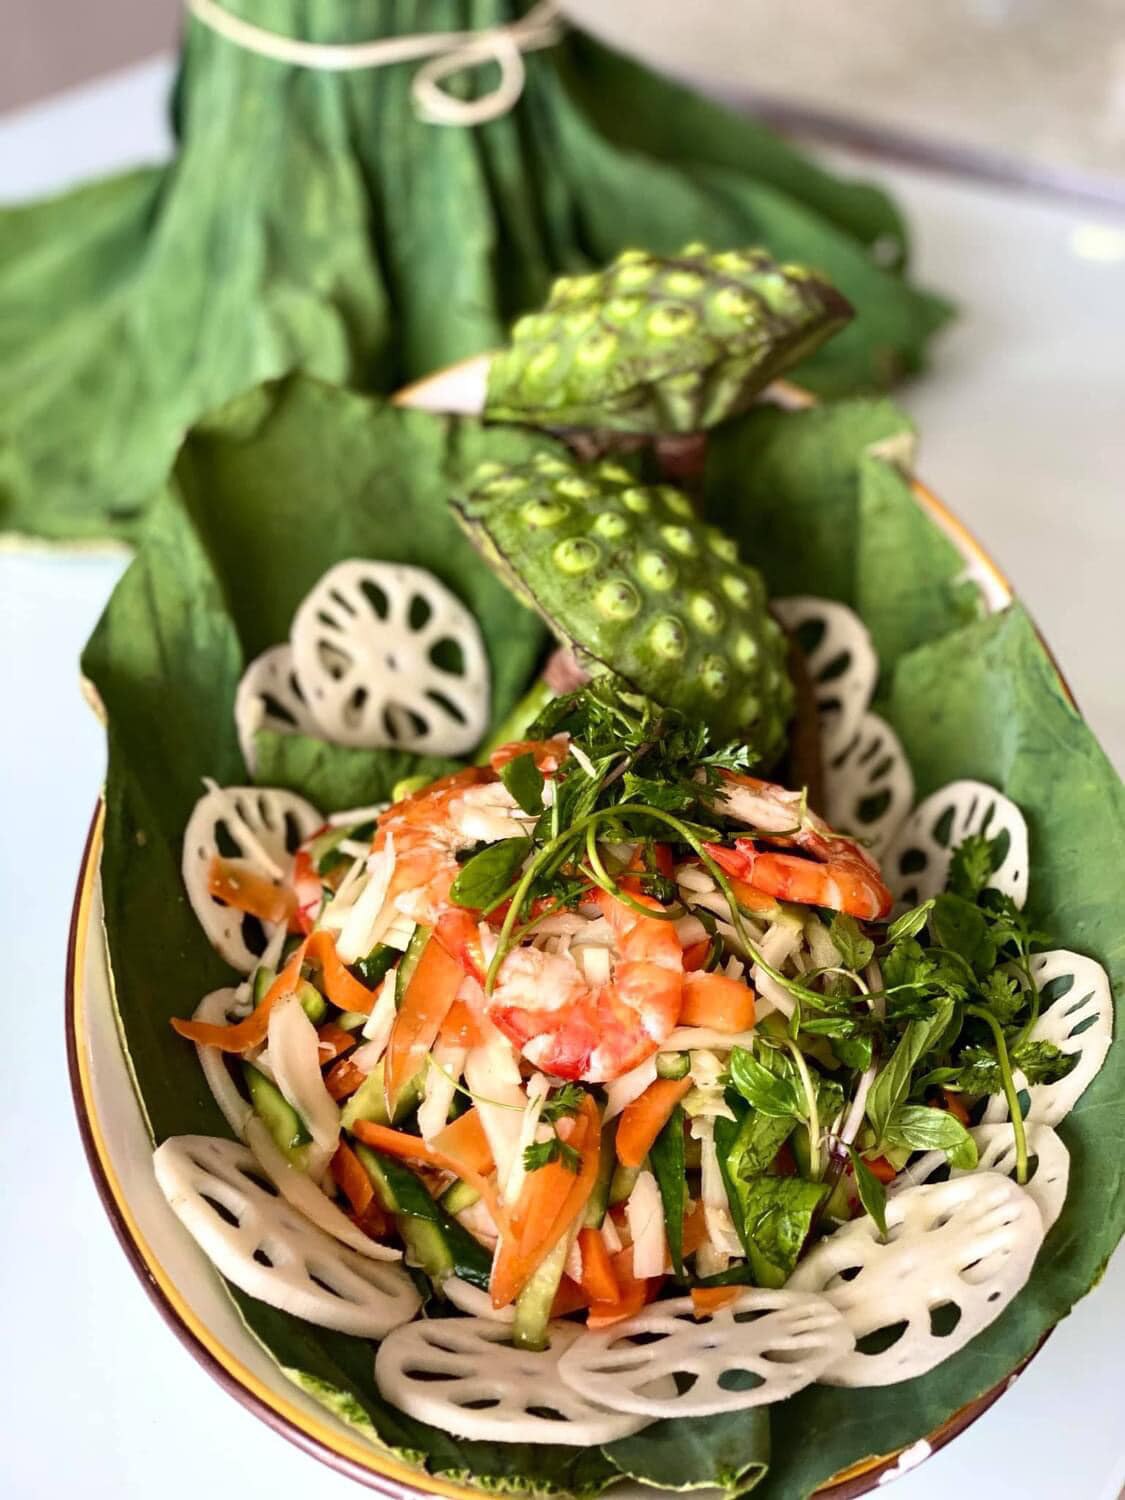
(575, 1027)
(549, 754)
(840, 874)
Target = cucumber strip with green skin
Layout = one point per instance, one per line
(458, 1196)
(263, 978)
(418, 940)
(533, 1306)
(369, 1102)
(408, 786)
(277, 1115)
(436, 1242)
(373, 969)
(673, 1064)
(622, 1184)
(325, 845)
(666, 1158)
(598, 1201)
(313, 1003)
(352, 1020)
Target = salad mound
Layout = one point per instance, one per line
(617, 1101)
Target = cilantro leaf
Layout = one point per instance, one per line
(974, 862)
(563, 1103)
(541, 1153)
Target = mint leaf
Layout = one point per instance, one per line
(856, 951)
(924, 1128)
(488, 876)
(773, 1216)
(524, 780)
(892, 1084)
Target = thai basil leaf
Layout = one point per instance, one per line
(776, 1094)
(666, 1158)
(524, 780)
(926, 1129)
(488, 875)
(872, 1193)
(773, 1216)
(892, 1083)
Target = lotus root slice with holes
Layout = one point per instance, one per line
(1077, 1017)
(666, 1362)
(917, 863)
(259, 1242)
(263, 826)
(463, 1376)
(270, 697)
(840, 661)
(956, 1255)
(388, 658)
(996, 1146)
(868, 784)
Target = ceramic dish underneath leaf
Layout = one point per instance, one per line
(185, 1288)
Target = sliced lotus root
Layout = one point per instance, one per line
(917, 863)
(217, 1009)
(388, 657)
(666, 1362)
(840, 661)
(260, 1243)
(464, 1376)
(868, 784)
(957, 1252)
(1077, 1016)
(1048, 1160)
(264, 826)
(270, 697)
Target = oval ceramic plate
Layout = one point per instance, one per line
(181, 1282)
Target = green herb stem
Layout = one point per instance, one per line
(814, 1115)
(1009, 1083)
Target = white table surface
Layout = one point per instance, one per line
(1023, 427)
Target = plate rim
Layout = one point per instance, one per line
(377, 1469)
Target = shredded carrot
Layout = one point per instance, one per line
(334, 1041)
(882, 1168)
(248, 1033)
(695, 955)
(695, 1229)
(341, 987)
(466, 1142)
(459, 935)
(633, 1293)
(598, 1279)
(569, 1298)
(955, 1105)
(550, 1201)
(643, 1120)
(429, 994)
(460, 1027)
(343, 1078)
(716, 1001)
(413, 1148)
(236, 883)
(351, 1179)
(706, 1300)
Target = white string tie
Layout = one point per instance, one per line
(445, 53)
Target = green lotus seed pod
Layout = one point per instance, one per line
(662, 343)
(666, 606)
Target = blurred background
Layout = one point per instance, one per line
(1035, 88)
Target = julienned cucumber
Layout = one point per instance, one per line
(599, 1197)
(673, 1064)
(623, 1182)
(434, 1242)
(533, 1308)
(418, 940)
(313, 1003)
(369, 1102)
(458, 1196)
(277, 1114)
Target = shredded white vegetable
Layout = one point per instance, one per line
(295, 1056)
(644, 1213)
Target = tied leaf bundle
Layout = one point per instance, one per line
(311, 222)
